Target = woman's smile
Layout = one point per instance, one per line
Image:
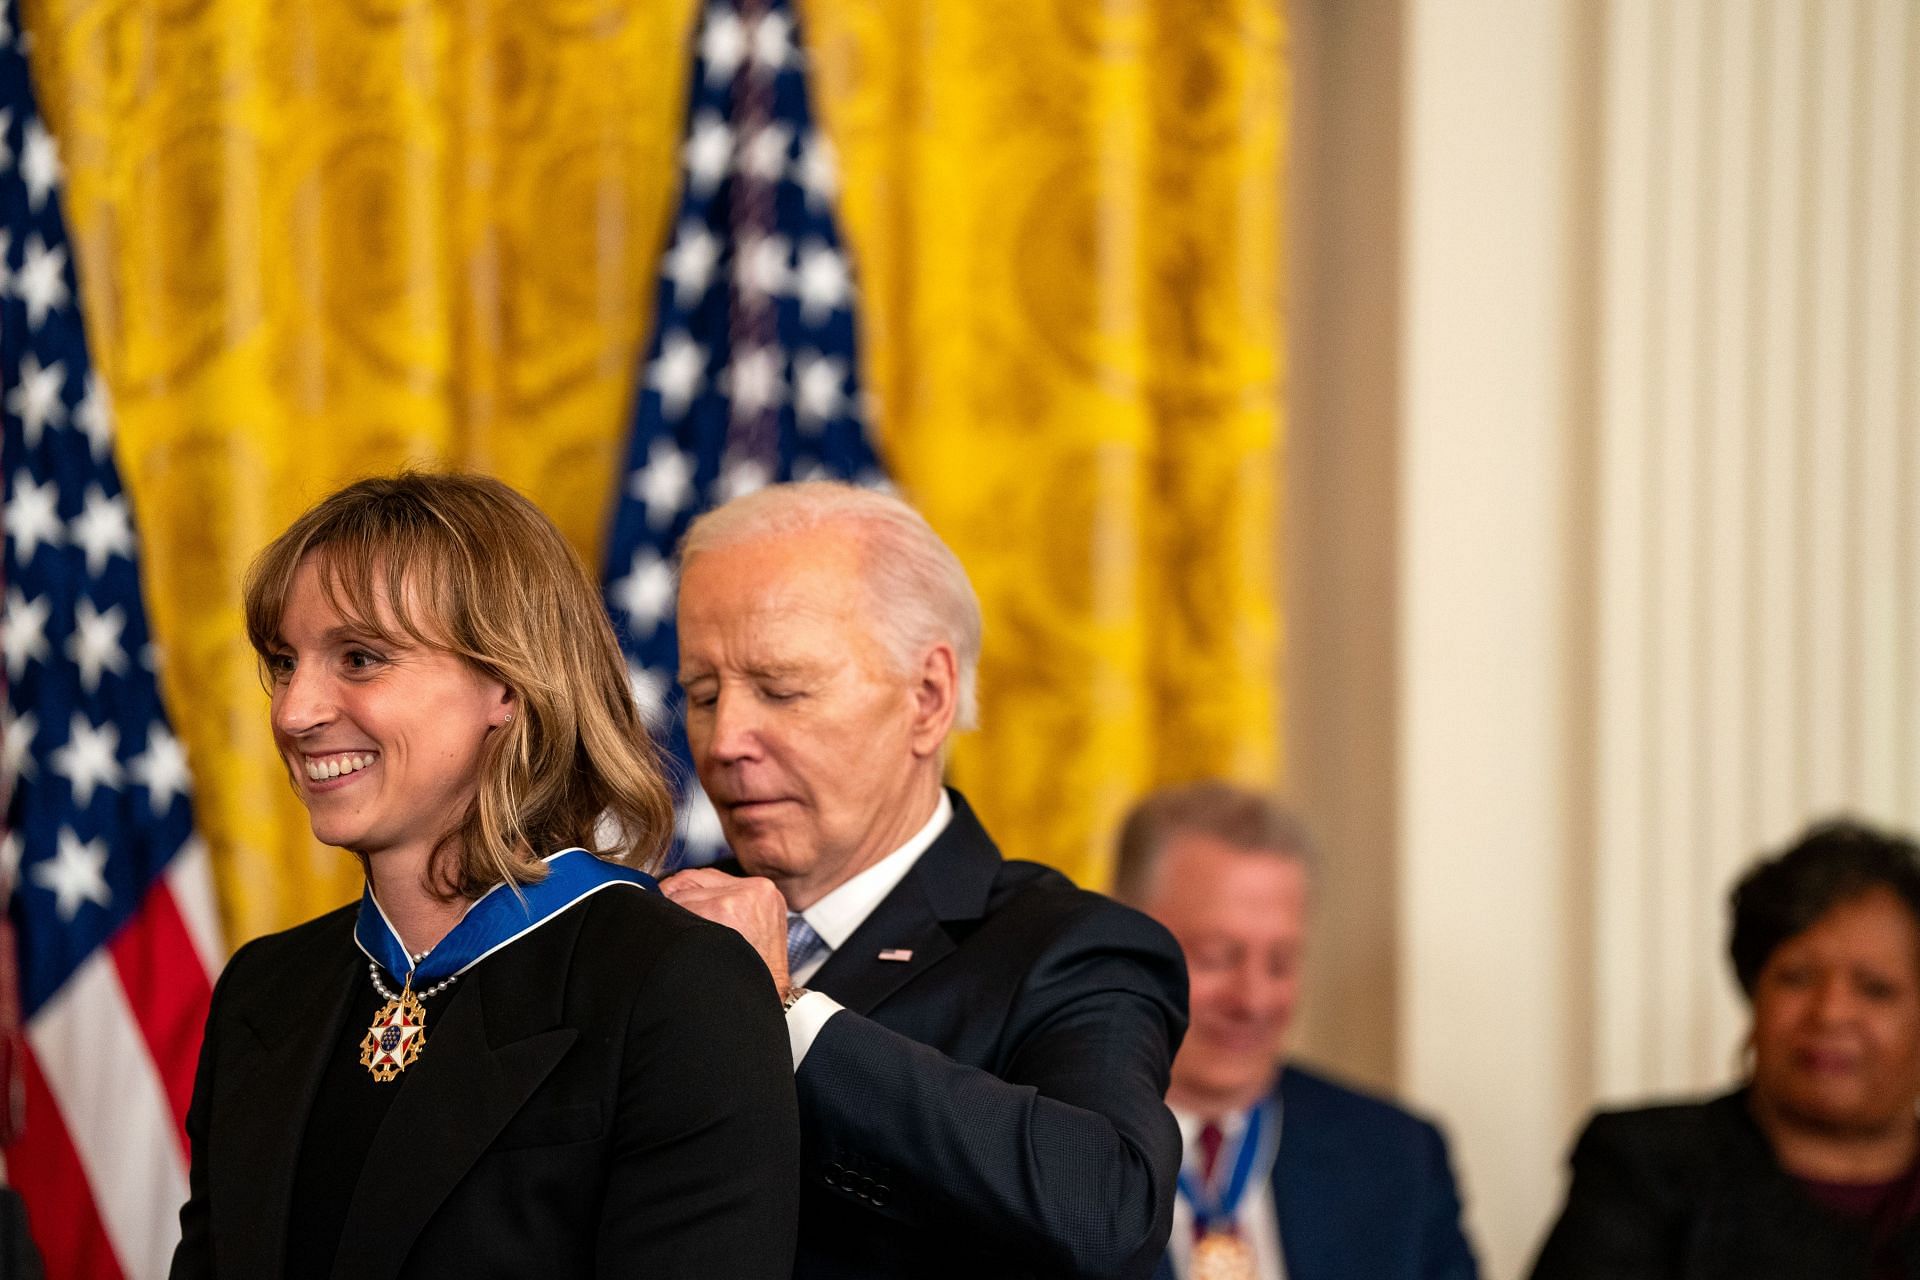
(336, 766)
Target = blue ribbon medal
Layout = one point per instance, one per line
(1220, 1252)
(497, 918)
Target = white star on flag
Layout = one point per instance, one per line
(37, 398)
(665, 483)
(741, 477)
(818, 388)
(678, 373)
(690, 263)
(161, 768)
(646, 594)
(103, 529)
(762, 266)
(823, 283)
(94, 416)
(33, 516)
(772, 41)
(24, 636)
(723, 44)
(41, 281)
(755, 381)
(39, 164)
(649, 694)
(95, 643)
(765, 154)
(16, 743)
(700, 826)
(89, 759)
(708, 155)
(75, 874)
(817, 172)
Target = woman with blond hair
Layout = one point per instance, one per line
(511, 1056)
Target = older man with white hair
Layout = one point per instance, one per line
(980, 1048)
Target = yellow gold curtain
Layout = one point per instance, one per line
(323, 240)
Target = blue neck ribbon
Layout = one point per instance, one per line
(1213, 1203)
(497, 918)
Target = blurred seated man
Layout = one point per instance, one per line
(1286, 1173)
(979, 1047)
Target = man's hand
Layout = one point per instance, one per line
(749, 905)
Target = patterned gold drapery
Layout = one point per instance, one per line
(323, 240)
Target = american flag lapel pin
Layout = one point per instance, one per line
(899, 955)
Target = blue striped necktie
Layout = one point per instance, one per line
(803, 944)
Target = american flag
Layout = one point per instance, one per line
(750, 375)
(108, 893)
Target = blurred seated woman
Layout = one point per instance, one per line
(512, 1057)
(1812, 1169)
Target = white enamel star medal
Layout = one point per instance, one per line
(1222, 1255)
(395, 1039)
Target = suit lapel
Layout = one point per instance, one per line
(484, 1057)
(949, 883)
(904, 921)
(265, 1111)
(1307, 1215)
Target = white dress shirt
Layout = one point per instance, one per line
(845, 909)
(1258, 1219)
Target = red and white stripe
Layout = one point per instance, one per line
(102, 1163)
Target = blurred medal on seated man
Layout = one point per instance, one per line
(1286, 1173)
(980, 1048)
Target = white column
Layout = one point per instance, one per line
(1493, 1003)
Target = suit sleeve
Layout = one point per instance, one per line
(1446, 1255)
(1613, 1225)
(1068, 1156)
(706, 1162)
(193, 1256)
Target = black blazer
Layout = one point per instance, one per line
(992, 1107)
(611, 1095)
(1693, 1192)
(1361, 1188)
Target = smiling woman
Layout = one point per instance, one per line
(512, 1056)
(1813, 1168)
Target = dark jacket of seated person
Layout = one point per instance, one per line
(1693, 1192)
(1813, 1168)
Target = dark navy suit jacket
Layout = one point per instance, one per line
(989, 1101)
(1362, 1189)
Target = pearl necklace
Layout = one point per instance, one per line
(373, 971)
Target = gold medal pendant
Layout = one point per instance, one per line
(1222, 1255)
(398, 1033)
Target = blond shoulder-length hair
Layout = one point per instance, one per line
(463, 564)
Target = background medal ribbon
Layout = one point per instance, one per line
(1209, 1208)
